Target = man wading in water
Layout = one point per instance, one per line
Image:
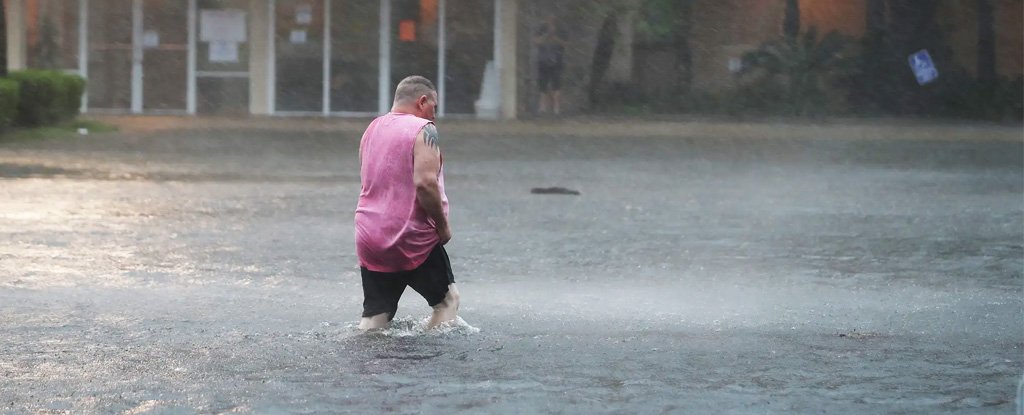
(402, 217)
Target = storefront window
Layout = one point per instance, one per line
(355, 55)
(148, 70)
(164, 54)
(299, 49)
(110, 54)
(222, 57)
(414, 28)
(469, 45)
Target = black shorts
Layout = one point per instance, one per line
(381, 290)
(549, 77)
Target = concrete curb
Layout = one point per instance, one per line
(853, 129)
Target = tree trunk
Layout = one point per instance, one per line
(602, 56)
(986, 41)
(791, 21)
(683, 48)
(620, 68)
(875, 32)
(875, 17)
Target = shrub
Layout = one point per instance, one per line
(47, 97)
(961, 95)
(9, 93)
(792, 76)
(74, 88)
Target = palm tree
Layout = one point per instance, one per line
(683, 23)
(794, 74)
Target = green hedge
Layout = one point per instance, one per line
(47, 97)
(74, 88)
(9, 93)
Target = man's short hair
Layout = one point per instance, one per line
(412, 88)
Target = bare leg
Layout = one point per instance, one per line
(447, 309)
(556, 101)
(376, 322)
(543, 107)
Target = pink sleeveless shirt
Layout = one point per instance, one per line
(393, 233)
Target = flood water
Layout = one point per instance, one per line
(214, 271)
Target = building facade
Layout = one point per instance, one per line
(280, 57)
(344, 57)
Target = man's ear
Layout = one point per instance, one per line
(422, 101)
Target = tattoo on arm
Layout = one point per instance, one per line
(430, 136)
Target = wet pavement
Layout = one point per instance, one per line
(213, 271)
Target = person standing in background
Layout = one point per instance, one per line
(550, 50)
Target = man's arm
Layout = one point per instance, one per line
(426, 162)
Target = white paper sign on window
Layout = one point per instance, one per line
(222, 25)
(223, 51)
(150, 39)
(298, 37)
(304, 14)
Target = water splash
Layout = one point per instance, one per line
(453, 327)
(409, 326)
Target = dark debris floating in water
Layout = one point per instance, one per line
(553, 191)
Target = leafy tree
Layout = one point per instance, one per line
(881, 82)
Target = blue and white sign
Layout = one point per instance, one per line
(923, 67)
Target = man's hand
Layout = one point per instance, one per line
(445, 233)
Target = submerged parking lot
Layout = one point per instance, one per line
(713, 270)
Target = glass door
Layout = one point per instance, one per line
(355, 56)
(222, 57)
(469, 46)
(110, 54)
(414, 28)
(164, 54)
(299, 50)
